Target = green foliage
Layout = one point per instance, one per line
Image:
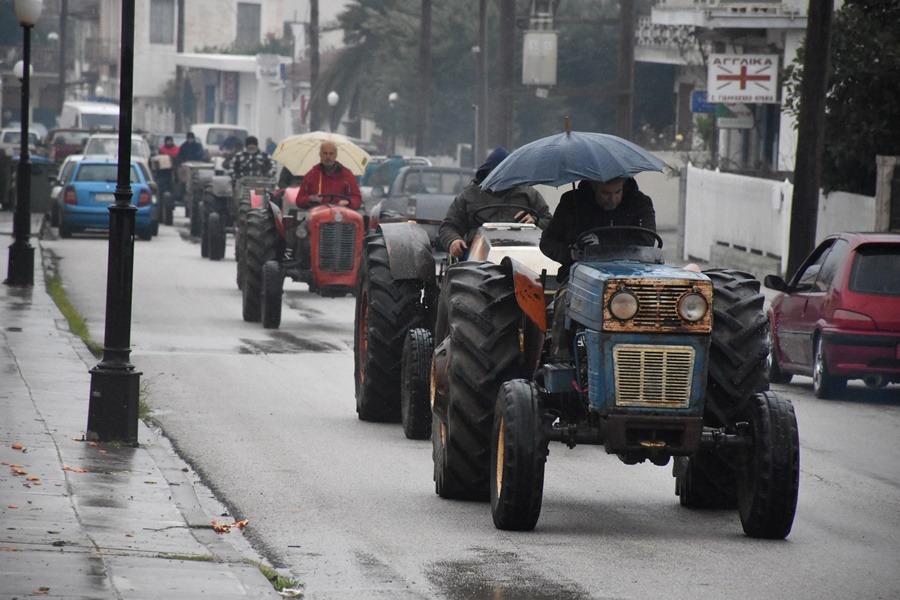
(381, 56)
(863, 108)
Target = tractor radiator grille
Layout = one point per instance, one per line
(337, 245)
(653, 375)
(658, 305)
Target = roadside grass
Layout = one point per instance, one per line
(76, 322)
(278, 581)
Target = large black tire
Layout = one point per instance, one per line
(260, 248)
(518, 456)
(204, 232)
(769, 471)
(215, 236)
(739, 348)
(168, 208)
(415, 384)
(705, 480)
(386, 309)
(825, 385)
(738, 369)
(196, 216)
(240, 243)
(272, 288)
(483, 321)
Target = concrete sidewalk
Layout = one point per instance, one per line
(99, 521)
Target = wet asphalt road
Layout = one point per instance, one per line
(267, 418)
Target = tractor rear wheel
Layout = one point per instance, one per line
(769, 471)
(737, 370)
(204, 231)
(386, 309)
(518, 457)
(272, 289)
(415, 384)
(483, 322)
(215, 236)
(259, 249)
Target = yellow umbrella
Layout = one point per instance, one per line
(299, 153)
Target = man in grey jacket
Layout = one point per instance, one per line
(459, 226)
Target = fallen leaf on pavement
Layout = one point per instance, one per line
(290, 593)
(13, 506)
(42, 591)
(6, 549)
(32, 478)
(19, 472)
(17, 446)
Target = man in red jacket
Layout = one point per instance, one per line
(329, 177)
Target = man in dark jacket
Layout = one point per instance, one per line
(459, 226)
(191, 149)
(594, 204)
(249, 162)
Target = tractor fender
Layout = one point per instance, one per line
(220, 186)
(409, 251)
(279, 218)
(530, 297)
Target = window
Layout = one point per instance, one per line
(833, 260)
(162, 21)
(876, 270)
(806, 277)
(248, 24)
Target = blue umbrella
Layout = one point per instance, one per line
(568, 157)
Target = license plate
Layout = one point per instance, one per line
(105, 197)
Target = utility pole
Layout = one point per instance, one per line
(63, 17)
(505, 116)
(424, 96)
(180, 124)
(314, 113)
(479, 150)
(625, 70)
(810, 134)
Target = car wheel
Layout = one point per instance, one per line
(825, 385)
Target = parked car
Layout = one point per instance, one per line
(61, 143)
(89, 191)
(381, 171)
(58, 182)
(839, 317)
(421, 193)
(11, 138)
(107, 144)
(218, 138)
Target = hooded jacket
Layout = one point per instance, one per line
(459, 222)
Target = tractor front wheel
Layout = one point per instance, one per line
(415, 384)
(215, 236)
(769, 471)
(518, 457)
(272, 289)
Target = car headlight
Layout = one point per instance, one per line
(623, 305)
(692, 307)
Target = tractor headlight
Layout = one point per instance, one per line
(692, 307)
(623, 305)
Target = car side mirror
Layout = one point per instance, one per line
(774, 282)
(377, 191)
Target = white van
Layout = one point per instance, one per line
(212, 135)
(89, 115)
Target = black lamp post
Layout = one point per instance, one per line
(113, 408)
(392, 102)
(20, 269)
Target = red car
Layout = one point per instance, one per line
(61, 143)
(839, 317)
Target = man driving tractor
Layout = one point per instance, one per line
(327, 178)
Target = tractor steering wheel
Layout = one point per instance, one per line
(330, 195)
(521, 208)
(598, 231)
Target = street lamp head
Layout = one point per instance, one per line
(332, 98)
(29, 11)
(53, 37)
(19, 70)
(392, 98)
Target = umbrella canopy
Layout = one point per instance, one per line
(574, 156)
(299, 153)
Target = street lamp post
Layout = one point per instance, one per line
(20, 270)
(333, 99)
(392, 101)
(113, 408)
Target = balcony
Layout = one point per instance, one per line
(731, 14)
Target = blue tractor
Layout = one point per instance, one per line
(666, 365)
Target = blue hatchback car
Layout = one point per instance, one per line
(89, 194)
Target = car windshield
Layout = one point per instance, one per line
(434, 182)
(13, 137)
(104, 172)
(69, 137)
(110, 146)
(876, 270)
(89, 121)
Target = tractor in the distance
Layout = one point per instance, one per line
(318, 245)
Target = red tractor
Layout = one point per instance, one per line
(319, 245)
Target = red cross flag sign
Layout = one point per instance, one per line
(749, 78)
